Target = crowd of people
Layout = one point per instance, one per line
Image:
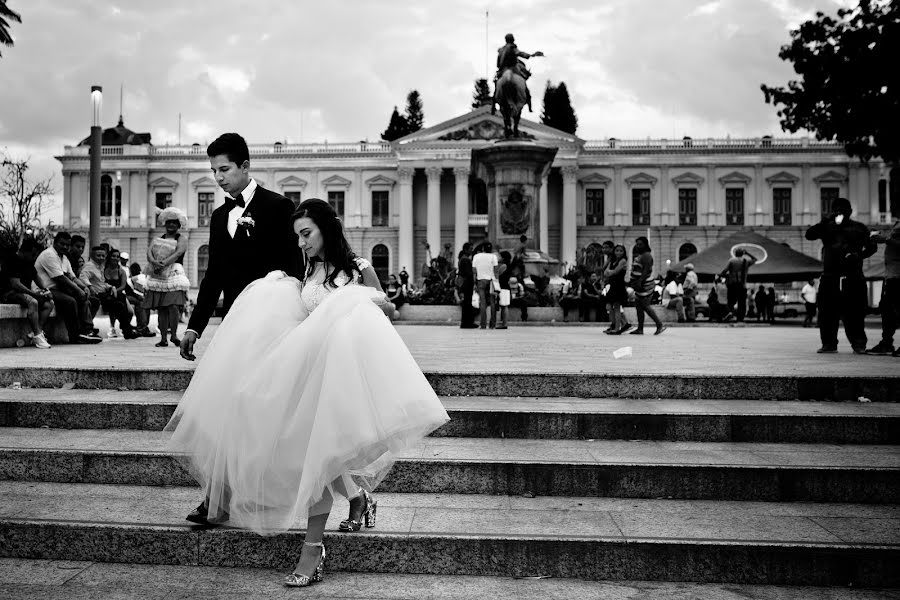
(59, 278)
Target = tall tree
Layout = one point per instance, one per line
(482, 95)
(22, 201)
(558, 111)
(397, 127)
(7, 15)
(415, 118)
(849, 85)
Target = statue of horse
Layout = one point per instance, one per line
(512, 97)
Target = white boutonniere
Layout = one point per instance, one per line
(246, 222)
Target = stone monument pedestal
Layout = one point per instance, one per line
(513, 171)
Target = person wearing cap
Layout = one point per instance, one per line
(843, 294)
(690, 286)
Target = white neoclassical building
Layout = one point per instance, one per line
(684, 194)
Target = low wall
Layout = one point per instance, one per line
(439, 313)
(14, 327)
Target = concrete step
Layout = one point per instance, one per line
(632, 469)
(559, 384)
(518, 417)
(586, 538)
(35, 579)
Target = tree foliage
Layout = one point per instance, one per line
(482, 95)
(397, 127)
(415, 118)
(558, 111)
(7, 15)
(849, 86)
(22, 202)
(403, 125)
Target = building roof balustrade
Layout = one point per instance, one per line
(255, 149)
(715, 144)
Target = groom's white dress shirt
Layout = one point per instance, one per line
(235, 213)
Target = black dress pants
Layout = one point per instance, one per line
(842, 299)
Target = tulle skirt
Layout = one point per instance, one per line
(287, 409)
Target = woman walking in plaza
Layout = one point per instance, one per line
(642, 283)
(305, 392)
(617, 295)
(167, 284)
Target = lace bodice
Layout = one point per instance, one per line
(313, 291)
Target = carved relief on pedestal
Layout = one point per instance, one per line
(515, 211)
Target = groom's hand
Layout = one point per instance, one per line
(187, 345)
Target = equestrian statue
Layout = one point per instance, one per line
(510, 88)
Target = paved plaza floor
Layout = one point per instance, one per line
(709, 350)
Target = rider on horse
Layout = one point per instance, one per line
(508, 58)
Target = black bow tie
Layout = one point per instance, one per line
(236, 201)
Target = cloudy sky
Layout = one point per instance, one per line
(315, 70)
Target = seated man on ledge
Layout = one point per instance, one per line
(16, 280)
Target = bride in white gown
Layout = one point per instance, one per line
(306, 391)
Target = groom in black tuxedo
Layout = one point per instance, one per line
(249, 235)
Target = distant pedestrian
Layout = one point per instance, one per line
(673, 297)
(760, 300)
(394, 292)
(570, 294)
(617, 295)
(890, 291)
(770, 305)
(592, 299)
(404, 280)
(486, 266)
(735, 274)
(808, 293)
(503, 297)
(517, 297)
(643, 284)
(691, 287)
(842, 287)
(465, 286)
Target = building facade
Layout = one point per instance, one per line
(394, 197)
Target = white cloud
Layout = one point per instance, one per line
(229, 80)
(706, 9)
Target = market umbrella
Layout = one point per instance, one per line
(776, 263)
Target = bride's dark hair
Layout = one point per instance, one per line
(337, 250)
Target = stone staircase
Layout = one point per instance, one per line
(724, 479)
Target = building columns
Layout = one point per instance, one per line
(543, 216)
(711, 190)
(460, 208)
(433, 220)
(807, 217)
(405, 233)
(758, 189)
(619, 204)
(569, 231)
(666, 211)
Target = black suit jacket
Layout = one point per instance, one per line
(269, 245)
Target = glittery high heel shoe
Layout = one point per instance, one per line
(370, 509)
(299, 580)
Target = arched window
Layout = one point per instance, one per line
(686, 250)
(202, 263)
(381, 262)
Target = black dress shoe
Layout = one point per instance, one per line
(199, 515)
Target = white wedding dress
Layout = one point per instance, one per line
(304, 391)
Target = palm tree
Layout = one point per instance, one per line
(7, 15)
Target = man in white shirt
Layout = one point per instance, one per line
(485, 264)
(808, 293)
(672, 297)
(92, 274)
(70, 295)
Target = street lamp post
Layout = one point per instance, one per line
(96, 142)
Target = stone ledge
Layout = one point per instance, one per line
(14, 328)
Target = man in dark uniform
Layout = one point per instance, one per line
(842, 288)
(508, 58)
